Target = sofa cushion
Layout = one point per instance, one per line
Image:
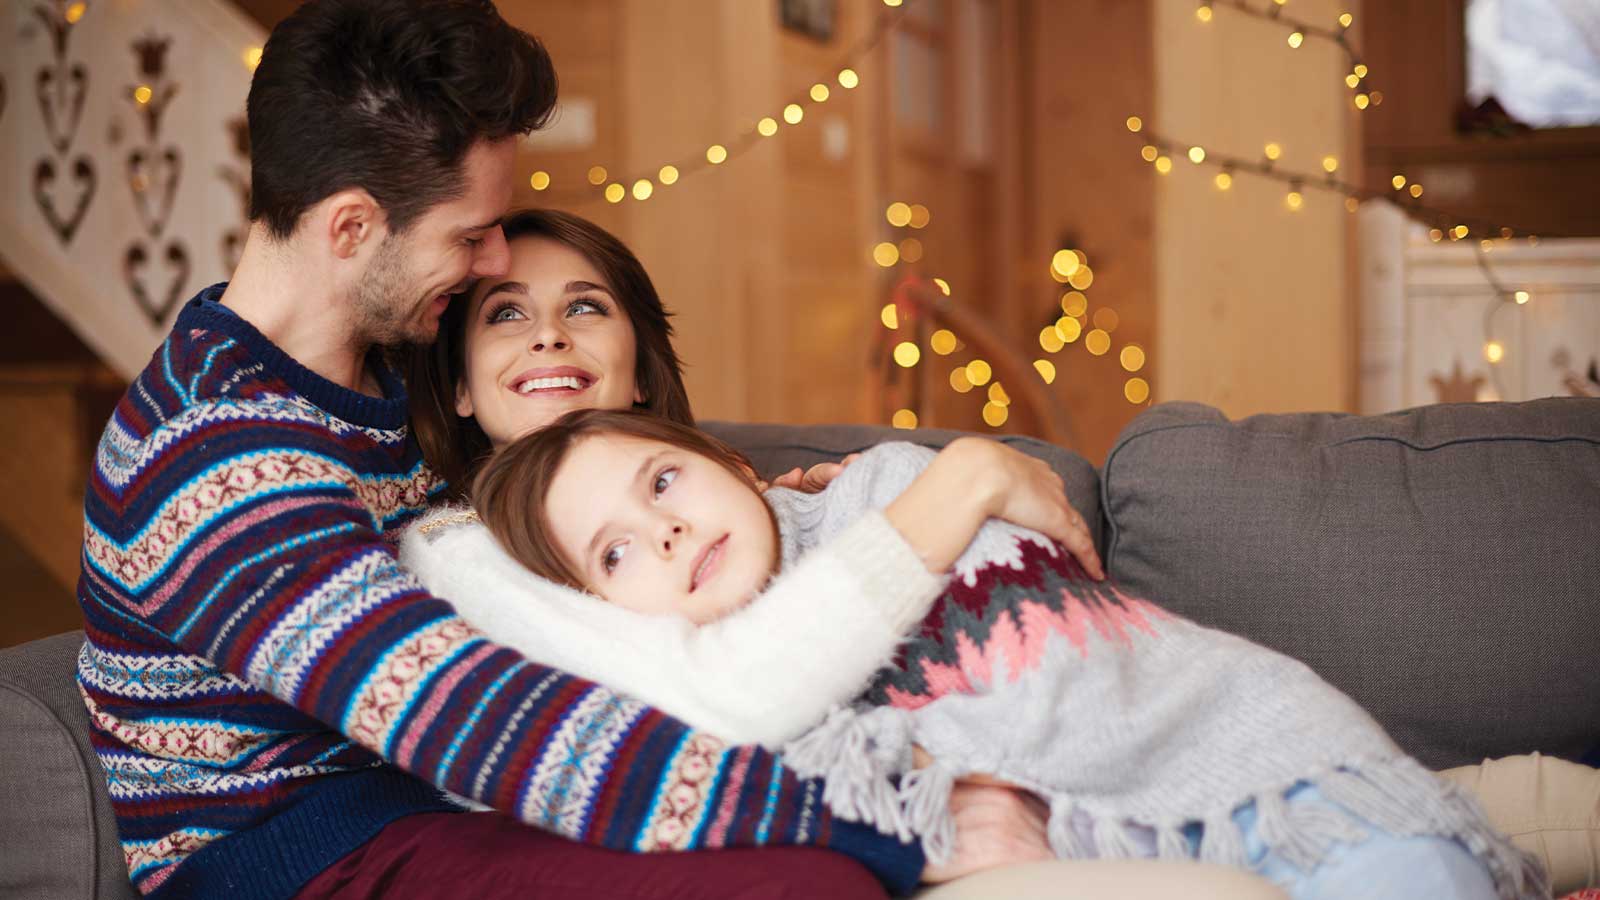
(1439, 564)
(775, 449)
(56, 824)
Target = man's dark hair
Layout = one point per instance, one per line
(386, 95)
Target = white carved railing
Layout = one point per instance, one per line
(1430, 311)
(123, 164)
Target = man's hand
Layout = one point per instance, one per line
(995, 826)
(814, 479)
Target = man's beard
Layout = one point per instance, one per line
(383, 315)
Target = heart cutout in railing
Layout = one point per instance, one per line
(156, 305)
(44, 194)
(61, 101)
(155, 185)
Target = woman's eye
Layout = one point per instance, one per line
(505, 313)
(612, 556)
(586, 308)
(664, 479)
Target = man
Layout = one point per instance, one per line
(274, 701)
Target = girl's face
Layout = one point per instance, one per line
(659, 529)
(547, 337)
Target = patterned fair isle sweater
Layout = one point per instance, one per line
(267, 688)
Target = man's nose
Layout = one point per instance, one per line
(493, 258)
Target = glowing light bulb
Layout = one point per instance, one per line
(1135, 123)
(75, 12)
(1272, 151)
(920, 217)
(1197, 155)
(1435, 235)
(944, 286)
(906, 354)
(1132, 357)
(1294, 201)
(1082, 278)
(848, 79)
(597, 175)
(819, 92)
(1064, 263)
(716, 154)
(793, 114)
(1345, 19)
(1097, 342)
(1163, 164)
(998, 395)
(959, 381)
(994, 415)
(1361, 101)
(767, 127)
(1351, 204)
(898, 214)
(1460, 231)
(615, 192)
(1046, 370)
(1522, 297)
(942, 342)
(1399, 181)
(1136, 390)
(1494, 351)
(1296, 39)
(1351, 80)
(1069, 328)
(1416, 190)
(886, 254)
(539, 180)
(668, 175)
(642, 189)
(889, 316)
(979, 373)
(1149, 152)
(1223, 181)
(1330, 164)
(1360, 70)
(1073, 303)
(1203, 13)
(142, 94)
(904, 418)
(1050, 339)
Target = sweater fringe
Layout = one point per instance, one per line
(865, 758)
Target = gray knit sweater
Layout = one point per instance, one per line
(1132, 722)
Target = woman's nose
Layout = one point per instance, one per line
(548, 336)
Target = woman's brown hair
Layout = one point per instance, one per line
(454, 445)
(509, 491)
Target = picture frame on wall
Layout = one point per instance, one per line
(813, 18)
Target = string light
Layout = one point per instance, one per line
(1163, 164)
(907, 354)
(1296, 38)
(767, 127)
(1494, 351)
(668, 175)
(142, 94)
(1224, 180)
(1330, 164)
(252, 55)
(898, 214)
(904, 418)
(1050, 339)
(1294, 200)
(1137, 390)
(1299, 33)
(998, 395)
(943, 342)
(1203, 12)
(1399, 181)
(716, 154)
(75, 12)
(597, 175)
(911, 250)
(1197, 155)
(819, 93)
(1135, 123)
(920, 217)
(1046, 370)
(1415, 190)
(1097, 341)
(1272, 151)
(994, 415)
(615, 193)
(642, 189)
(1063, 264)
(944, 286)
(885, 254)
(793, 113)
(539, 180)
(889, 316)
(848, 79)
(1132, 357)
(1069, 328)
(959, 382)
(1345, 20)
(979, 372)
(1149, 152)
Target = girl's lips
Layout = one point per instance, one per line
(706, 563)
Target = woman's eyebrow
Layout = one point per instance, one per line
(578, 287)
(514, 287)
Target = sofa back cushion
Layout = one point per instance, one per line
(775, 449)
(1440, 565)
(58, 837)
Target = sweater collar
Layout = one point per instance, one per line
(387, 412)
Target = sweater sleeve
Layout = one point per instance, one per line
(811, 641)
(264, 559)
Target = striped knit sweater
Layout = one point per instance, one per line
(267, 688)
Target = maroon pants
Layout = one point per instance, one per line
(487, 855)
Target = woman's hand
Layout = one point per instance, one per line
(973, 479)
(995, 826)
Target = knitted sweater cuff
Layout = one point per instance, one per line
(897, 865)
(890, 571)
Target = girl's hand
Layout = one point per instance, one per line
(1026, 491)
(814, 479)
(995, 826)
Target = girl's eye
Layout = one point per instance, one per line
(586, 307)
(664, 479)
(612, 556)
(506, 312)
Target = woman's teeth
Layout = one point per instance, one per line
(542, 384)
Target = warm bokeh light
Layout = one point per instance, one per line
(911, 250)
(1107, 319)
(944, 286)
(1494, 351)
(1294, 200)
(1097, 342)
(1069, 328)
(943, 342)
(848, 78)
(1296, 39)
(819, 92)
(1360, 70)
(1046, 370)
(1345, 19)
(1330, 164)
(1064, 263)
(920, 217)
(615, 192)
(1461, 231)
(1132, 357)
(142, 94)
(1351, 80)
(1163, 164)
(767, 127)
(252, 56)
(1273, 151)
(998, 395)
(904, 418)
(907, 354)
(793, 114)
(539, 180)
(886, 254)
(1203, 12)
(1050, 339)
(1149, 152)
(959, 382)
(892, 3)
(1351, 204)
(1416, 190)
(979, 373)
(889, 316)
(642, 189)
(994, 415)
(1435, 235)
(716, 154)
(1223, 181)
(898, 214)
(1082, 278)
(1361, 101)
(668, 175)
(597, 175)
(1197, 155)
(75, 12)
(1135, 123)
(1137, 390)
(1399, 181)
(1522, 297)
(1073, 303)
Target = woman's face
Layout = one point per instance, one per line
(545, 338)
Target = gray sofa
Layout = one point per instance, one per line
(1441, 565)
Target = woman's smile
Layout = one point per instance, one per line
(559, 381)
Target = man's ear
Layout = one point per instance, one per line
(463, 399)
(353, 220)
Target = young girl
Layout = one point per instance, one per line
(1147, 735)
